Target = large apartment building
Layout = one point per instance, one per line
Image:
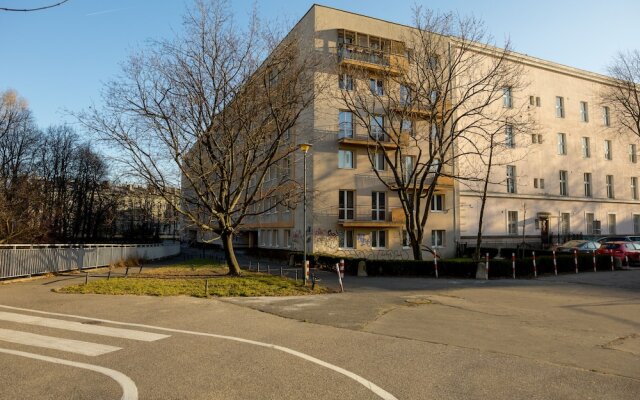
(574, 174)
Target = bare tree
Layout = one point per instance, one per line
(33, 8)
(438, 101)
(623, 95)
(212, 111)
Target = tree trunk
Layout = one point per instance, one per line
(229, 254)
(476, 254)
(417, 252)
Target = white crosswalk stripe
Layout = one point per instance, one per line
(68, 345)
(80, 327)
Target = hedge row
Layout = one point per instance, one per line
(463, 268)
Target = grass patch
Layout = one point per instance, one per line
(188, 279)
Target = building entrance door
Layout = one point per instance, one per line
(544, 230)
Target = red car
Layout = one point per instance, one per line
(620, 250)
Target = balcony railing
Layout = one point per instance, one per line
(365, 216)
(363, 54)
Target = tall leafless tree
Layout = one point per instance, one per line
(438, 103)
(211, 110)
(623, 95)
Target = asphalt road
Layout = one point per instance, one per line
(566, 337)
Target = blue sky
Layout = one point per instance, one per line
(59, 58)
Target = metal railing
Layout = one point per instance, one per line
(364, 54)
(25, 260)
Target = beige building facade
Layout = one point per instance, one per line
(573, 175)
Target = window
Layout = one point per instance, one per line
(437, 202)
(586, 147)
(536, 138)
(378, 161)
(633, 154)
(541, 181)
(437, 238)
(433, 96)
(287, 238)
(606, 117)
(345, 204)
(507, 100)
(406, 241)
(345, 239)
(511, 179)
(434, 131)
(634, 188)
(535, 183)
(378, 239)
(587, 184)
(378, 206)
(345, 81)
(435, 165)
(636, 224)
(608, 152)
(565, 223)
(534, 101)
(376, 86)
(584, 111)
(611, 219)
(377, 127)
(610, 193)
(564, 191)
(345, 124)
(408, 167)
(405, 95)
(562, 144)
(512, 222)
(559, 107)
(345, 159)
(509, 139)
(588, 217)
(274, 238)
(406, 125)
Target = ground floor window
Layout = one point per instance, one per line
(512, 222)
(437, 238)
(405, 239)
(346, 239)
(287, 238)
(636, 224)
(612, 224)
(378, 239)
(589, 218)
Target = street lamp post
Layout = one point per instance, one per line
(305, 149)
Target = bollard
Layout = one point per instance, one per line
(555, 264)
(86, 278)
(268, 269)
(258, 267)
(535, 268)
(206, 288)
(281, 270)
(594, 261)
(575, 259)
(296, 275)
(435, 262)
(612, 263)
(487, 264)
(513, 265)
(339, 278)
(626, 260)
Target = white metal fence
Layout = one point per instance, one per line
(23, 260)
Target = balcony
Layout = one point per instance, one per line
(366, 180)
(365, 217)
(370, 52)
(346, 137)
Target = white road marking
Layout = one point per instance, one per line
(80, 327)
(383, 394)
(49, 342)
(129, 389)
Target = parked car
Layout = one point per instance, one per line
(582, 246)
(617, 239)
(621, 250)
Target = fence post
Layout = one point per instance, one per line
(535, 268)
(612, 263)
(513, 265)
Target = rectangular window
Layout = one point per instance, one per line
(636, 224)
(405, 95)
(586, 147)
(562, 144)
(587, 184)
(406, 242)
(437, 202)
(377, 127)
(378, 206)
(537, 101)
(345, 237)
(606, 118)
(611, 219)
(541, 183)
(608, 151)
(559, 107)
(378, 161)
(610, 193)
(584, 111)
(287, 238)
(536, 138)
(376, 86)
(345, 159)
(435, 165)
(634, 188)
(565, 223)
(408, 168)
(406, 126)
(378, 239)
(633, 153)
(512, 222)
(532, 100)
(274, 238)
(535, 183)
(511, 179)
(345, 204)
(438, 238)
(507, 100)
(345, 81)
(588, 217)
(564, 189)
(345, 124)
(509, 139)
